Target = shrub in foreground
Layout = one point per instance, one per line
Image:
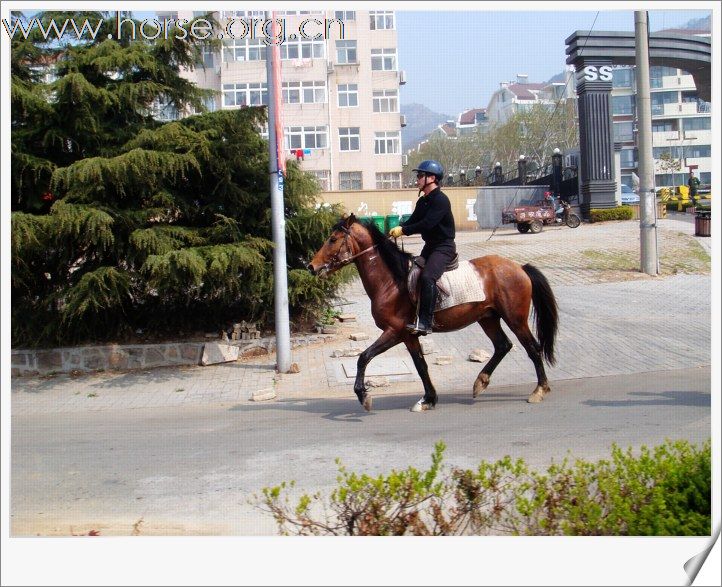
(661, 491)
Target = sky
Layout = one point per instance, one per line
(456, 58)
(463, 55)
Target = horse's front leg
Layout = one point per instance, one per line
(429, 400)
(388, 339)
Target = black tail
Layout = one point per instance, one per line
(545, 311)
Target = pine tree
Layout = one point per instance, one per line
(121, 222)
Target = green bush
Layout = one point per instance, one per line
(662, 491)
(619, 213)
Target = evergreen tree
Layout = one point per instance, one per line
(121, 222)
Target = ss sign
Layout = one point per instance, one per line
(593, 73)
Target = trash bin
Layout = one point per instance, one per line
(702, 221)
(404, 218)
(379, 221)
(391, 221)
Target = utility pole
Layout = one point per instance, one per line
(649, 259)
(278, 221)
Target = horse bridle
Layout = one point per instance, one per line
(336, 262)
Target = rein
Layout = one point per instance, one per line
(336, 263)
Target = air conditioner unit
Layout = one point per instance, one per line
(404, 160)
(403, 120)
(402, 77)
(329, 67)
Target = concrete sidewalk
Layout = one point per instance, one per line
(613, 320)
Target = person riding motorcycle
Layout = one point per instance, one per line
(433, 219)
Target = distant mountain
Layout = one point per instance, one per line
(560, 77)
(420, 121)
(699, 24)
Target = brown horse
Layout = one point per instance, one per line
(509, 288)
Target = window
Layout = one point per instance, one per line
(347, 95)
(663, 98)
(386, 101)
(387, 143)
(243, 14)
(303, 49)
(381, 19)
(672, 151)
(663, 126)
(244, 50)
(383, 59)
(312, 92)
(245, 94)
(349, 180)
(670, 179)
(345, 15)
(323, 178)
(622, 104)
(623, 131)
(306, 137)
(697, 151)
(388, 181)
(661, 71)
(205, 59)
(628, 158)
(291, 92)
(295, 12)
(349, 138)
(622, 78)
(699, 123)
(346, 52)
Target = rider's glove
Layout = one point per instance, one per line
(396, 232)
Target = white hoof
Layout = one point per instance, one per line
(420, 406)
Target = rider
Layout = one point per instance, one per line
(432, 218)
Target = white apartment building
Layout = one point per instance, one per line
(340, 94)
(521, 96)
(681, 126)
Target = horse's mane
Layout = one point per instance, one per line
(396, 260)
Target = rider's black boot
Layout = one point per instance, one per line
(427, 304)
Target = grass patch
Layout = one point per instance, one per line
(688, 257)
(610, 260)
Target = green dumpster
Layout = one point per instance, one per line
(391, 221)
(379, 221)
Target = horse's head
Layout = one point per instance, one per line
(337, 251)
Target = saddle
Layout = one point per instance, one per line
(417, 267)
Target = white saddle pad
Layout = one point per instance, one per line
(465, 285)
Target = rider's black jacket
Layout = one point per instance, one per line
(432, 218)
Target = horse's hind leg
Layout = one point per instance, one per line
(429, 400)
(502, 345)
(533, 349)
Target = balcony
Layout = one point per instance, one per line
(661, 138)
(676, 109)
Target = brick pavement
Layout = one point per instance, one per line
(611, 321)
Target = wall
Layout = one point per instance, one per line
(492, 200)
(381, 202)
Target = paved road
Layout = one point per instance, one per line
(191, 469)
(183, 449)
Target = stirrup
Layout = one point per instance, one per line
(416, 330)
